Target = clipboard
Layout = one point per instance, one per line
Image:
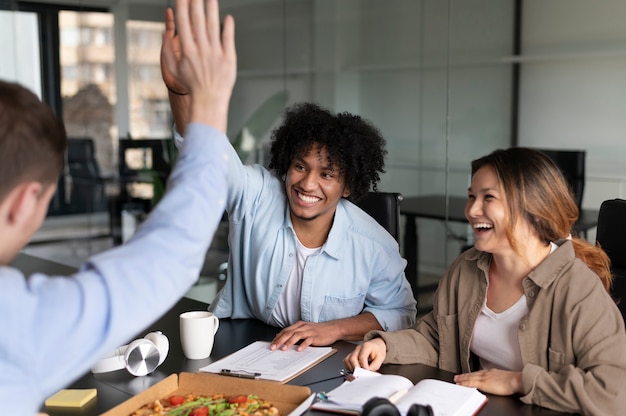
(257, 361)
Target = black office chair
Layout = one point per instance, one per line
(87, 192)
(572, 164)
(384, 207)
(611, 236)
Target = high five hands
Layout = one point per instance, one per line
(200, 61)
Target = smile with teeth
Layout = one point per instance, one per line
(482, 226)
(306, 198)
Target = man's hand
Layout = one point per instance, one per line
(200, 60)
(310, 333)
(369, 355)
(170, 56)
(325, 333)
(500, 382)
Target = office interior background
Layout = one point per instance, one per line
(446, 81)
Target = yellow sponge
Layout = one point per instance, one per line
(71, 398)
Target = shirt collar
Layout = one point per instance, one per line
(545, 273)
(333, 243)
(335, 240)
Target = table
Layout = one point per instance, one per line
(452, 208)
(233, 334)
(30, 264)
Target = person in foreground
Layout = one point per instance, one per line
(302, 256)
(527, 310)
(55, 327)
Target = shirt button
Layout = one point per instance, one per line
(290, 254)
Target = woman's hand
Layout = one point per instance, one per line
(500, 382)
(369, 355)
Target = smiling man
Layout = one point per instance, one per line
(303, 257)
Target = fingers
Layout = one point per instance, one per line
(228, 37)
(183, 24)
(282, 339)
(199, 18)
(168, 55)
(304, 333)
(369, 355)
(213, 23)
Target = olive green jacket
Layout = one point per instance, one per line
(572, 341)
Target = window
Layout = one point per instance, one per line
(88, 81)
(19, 41)
(149, 108)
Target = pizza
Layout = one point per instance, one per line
(209, 405)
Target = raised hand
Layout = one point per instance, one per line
(198, 60)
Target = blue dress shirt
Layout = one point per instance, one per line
(55, 328)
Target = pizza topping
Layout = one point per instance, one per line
(176, 400)
(209, 405)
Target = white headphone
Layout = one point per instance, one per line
(140, 357)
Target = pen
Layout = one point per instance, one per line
(347, 375)
(239, 374)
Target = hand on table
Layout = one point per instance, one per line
(368, 355)
(500, 382)
(309, 333)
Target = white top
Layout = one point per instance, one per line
(495, 339)
(287, 310)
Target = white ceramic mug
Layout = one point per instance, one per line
(197, 333)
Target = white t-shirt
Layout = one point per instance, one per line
(495, 339)
(287, 309)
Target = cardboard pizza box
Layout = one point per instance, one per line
(285, 397)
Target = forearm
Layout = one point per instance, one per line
(181, 110)
(355, 327)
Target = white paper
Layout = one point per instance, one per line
(274, 365)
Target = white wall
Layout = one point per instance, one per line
(573, 87)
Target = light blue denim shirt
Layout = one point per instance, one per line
(358, 269)
(53, 329)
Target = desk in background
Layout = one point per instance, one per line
(438, 207)
(29, 264)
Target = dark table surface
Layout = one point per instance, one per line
(118, 386)
(233, 334)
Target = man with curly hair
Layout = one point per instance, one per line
(302, 256)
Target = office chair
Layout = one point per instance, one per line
(572, 164)
(384, 207)
(611, 236)
(87, 192)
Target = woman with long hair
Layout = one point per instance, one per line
(527, 310)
